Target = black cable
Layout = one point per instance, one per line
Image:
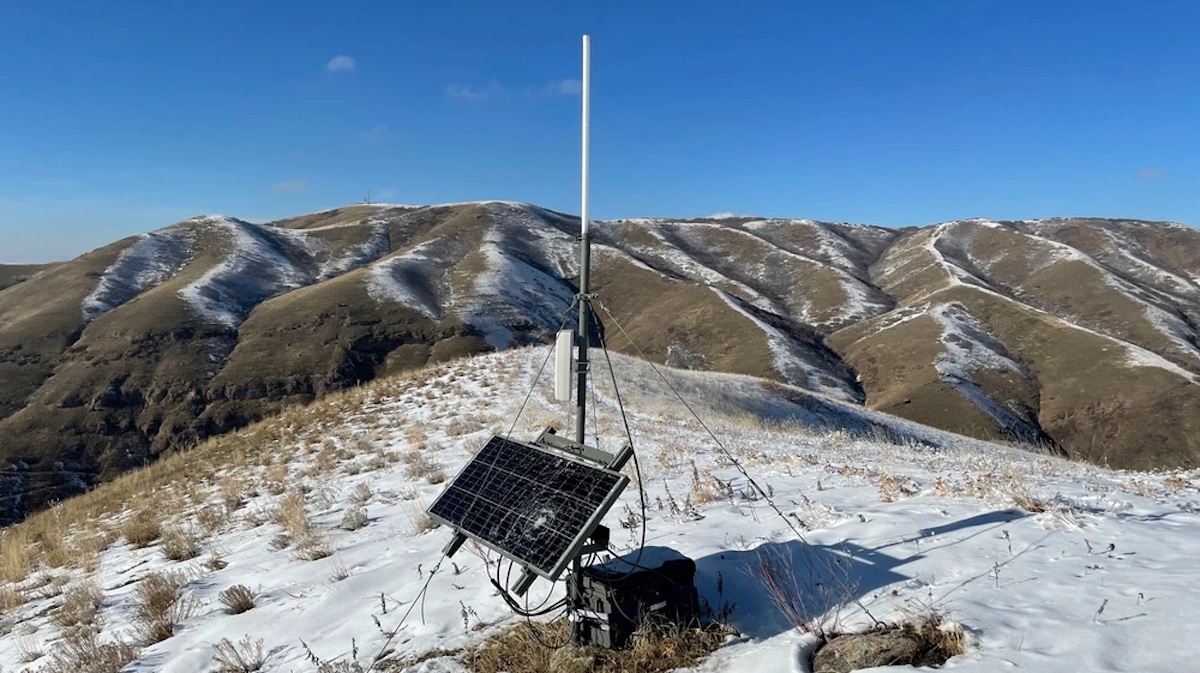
(735, 462)
(420, 597)
(629, 437)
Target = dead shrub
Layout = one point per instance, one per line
(237, 599)
(79, 607)
(656, 649)
(362, 493)
(159, 604)
(246, 656)
(11, 598)
(312, 546)
(292, 516)
(178, 544)
(419, 517)
(141, 529)
(808, 590)
(703, 487)
(81, 650)
(419, 466)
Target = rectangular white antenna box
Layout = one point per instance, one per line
(563, 359)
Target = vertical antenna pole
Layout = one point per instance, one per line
(585, 257)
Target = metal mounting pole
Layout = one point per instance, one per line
(585, 309)
(585, 260)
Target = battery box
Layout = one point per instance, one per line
(609, 603)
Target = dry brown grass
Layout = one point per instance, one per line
(11, 598)
(159, 604)
(141, 529)
(418, 517)
(362, 494)
(237, 599)
(275, 481)
(245, 656)
(179, 543)
(235, 490)
(310, 543)
(80, 607)
(655, 650)
(82, 651)
(419, 466)
(293, 516)
(313, 546)
(934, 641)
(18, 555)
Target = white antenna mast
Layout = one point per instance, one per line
(585, 297)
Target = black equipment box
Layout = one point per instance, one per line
(609, 604)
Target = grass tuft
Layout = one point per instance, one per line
(245, 656)
(237, 599)
(141, 529)
(655, 649)
(159, 604)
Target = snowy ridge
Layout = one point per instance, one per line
(254, 270)
(1172, 326)
(686, 266)
(402, 278)
(530, 229)
(1101, 579)
(1136, 355)
(856, 304)
(512, 293)
(970, 348)
(897, 317)
(787, 362)
(377, 245)
(152, 260)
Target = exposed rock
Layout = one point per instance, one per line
(867, 650)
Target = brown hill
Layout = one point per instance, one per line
(1068, 333)
(11, 274)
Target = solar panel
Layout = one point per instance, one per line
(534, 506)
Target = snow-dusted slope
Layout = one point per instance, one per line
(261, 262)
(1046, 564)
(150, 261)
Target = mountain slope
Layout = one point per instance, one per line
(1065, 333)
(1040, 560)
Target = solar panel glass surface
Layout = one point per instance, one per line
(527, 503)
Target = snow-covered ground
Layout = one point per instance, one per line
(1047, 565)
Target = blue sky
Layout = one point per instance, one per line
(121, 117)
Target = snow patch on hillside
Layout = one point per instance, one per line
(152, 260)
(255, 269)
(513, 295)
(897, 317)
(790, 364)
(404, 279)
(970, 348)
(376, 245)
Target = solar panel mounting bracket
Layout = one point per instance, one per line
(550, 439)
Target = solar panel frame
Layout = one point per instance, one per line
(481, 503)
